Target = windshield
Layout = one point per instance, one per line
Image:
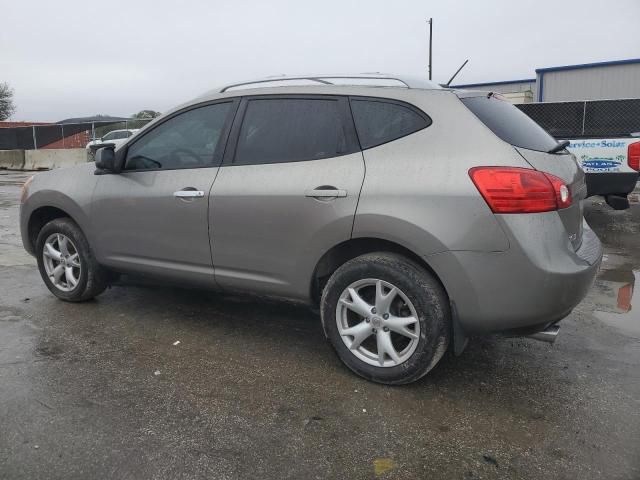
(509, 123)
(116, 135)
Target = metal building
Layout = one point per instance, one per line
(590, 81)
(518, 91)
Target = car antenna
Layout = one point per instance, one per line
(456, 74)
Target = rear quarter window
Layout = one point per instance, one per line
(509, 123)
(382, 121)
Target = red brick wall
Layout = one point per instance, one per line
(21, 124)
(79, 140)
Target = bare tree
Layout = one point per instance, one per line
(6, 101)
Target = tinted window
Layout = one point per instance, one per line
(509, 123)
(379, 122)
(286, 130)
(187, 140)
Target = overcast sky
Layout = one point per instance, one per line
(75, 58)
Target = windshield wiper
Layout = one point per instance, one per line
(560, 146)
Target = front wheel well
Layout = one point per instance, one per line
(343, 252)
(39, 218)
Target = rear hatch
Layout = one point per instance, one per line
(533, 143)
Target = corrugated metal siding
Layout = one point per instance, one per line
(506, 87)
(596, 83)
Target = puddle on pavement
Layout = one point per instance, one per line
(613, 295)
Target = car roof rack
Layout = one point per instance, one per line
(362, 79)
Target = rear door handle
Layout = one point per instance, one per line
(325, 192)
(188, 194)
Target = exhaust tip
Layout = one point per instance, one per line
(548, 335)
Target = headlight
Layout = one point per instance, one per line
(24, 193)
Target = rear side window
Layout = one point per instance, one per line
(509, 123)
(379, 121)
(289, 130)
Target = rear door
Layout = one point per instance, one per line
(153, 216)
(286, 193)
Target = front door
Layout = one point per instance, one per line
(286, 193)
(153, 216)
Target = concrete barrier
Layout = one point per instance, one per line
(51, 158)
(44, 159)
(12, 159)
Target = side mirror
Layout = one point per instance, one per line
(106, 159)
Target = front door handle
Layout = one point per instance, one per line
(188, 194)
(325, 192)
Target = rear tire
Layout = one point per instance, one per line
(384, 302)
(66, 262)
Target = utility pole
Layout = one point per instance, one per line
(430, 21)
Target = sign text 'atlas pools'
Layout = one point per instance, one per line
(601, 155)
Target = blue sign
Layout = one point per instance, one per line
(600, 163)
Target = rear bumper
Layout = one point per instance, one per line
(611, 183)
(538, 281)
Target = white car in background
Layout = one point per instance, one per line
(611, 166)
(114, 137)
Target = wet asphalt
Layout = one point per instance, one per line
(252, 390)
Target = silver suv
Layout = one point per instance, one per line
(414, 216)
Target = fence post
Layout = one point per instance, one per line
(62, 128)
(35, 144)
(584, 115)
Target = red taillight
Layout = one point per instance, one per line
(520, 190)
(633, 155)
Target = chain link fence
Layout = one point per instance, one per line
(62, 135)
(586, 119)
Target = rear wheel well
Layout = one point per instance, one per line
(39, 218)
(343, 252)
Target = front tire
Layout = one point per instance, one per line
(66, 262)
(387, 318)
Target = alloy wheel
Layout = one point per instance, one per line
(377, 322)
(61, 262)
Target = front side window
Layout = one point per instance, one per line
(379, 121)
(289, 130)
(188, 140)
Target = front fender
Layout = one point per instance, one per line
(67, 189)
